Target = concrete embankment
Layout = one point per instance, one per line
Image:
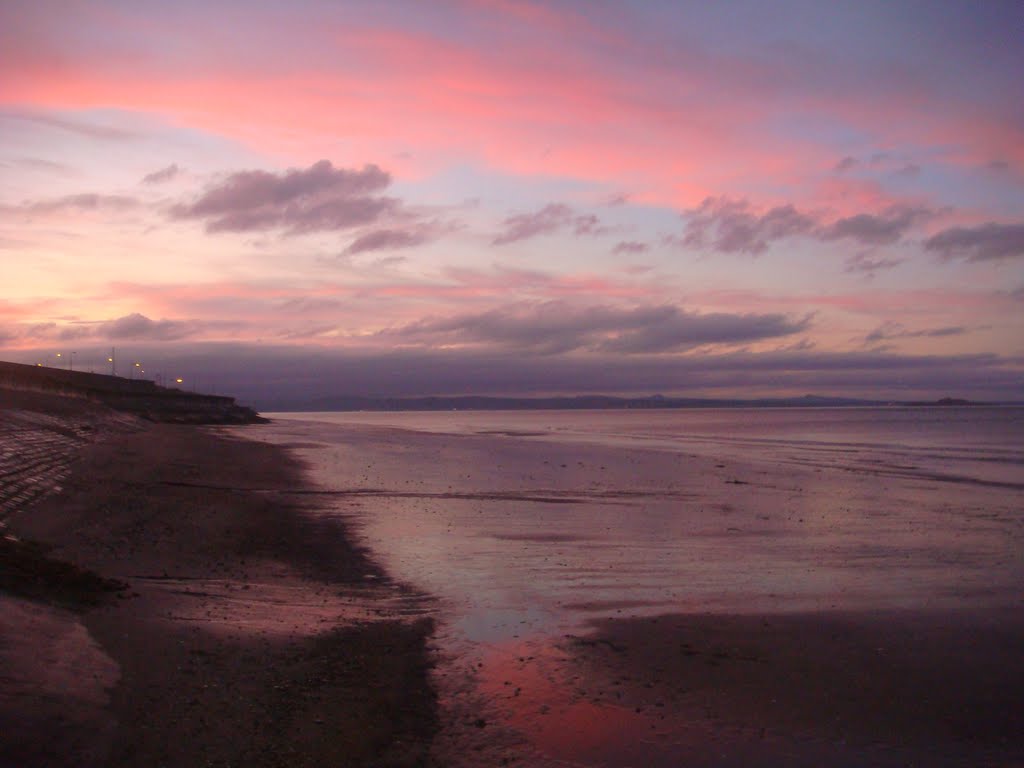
(141, 397)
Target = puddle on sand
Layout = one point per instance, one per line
(517, 704)
(526, 703)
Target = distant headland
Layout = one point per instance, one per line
(581, 402)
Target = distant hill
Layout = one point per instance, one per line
(579, 402)
(582, 402)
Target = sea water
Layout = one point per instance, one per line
(532, 511)
(529, 525)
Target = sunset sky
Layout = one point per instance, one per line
(289, 200)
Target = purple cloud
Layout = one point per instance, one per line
(318, 198)
(164, 174)
(677, 330)
(876, 229)
(137, 326)
(909, 171)
(845, 164)
(133, 327)
(893, 330)
(552, 218)
(866, 264)
(986, 242)
(557, 327)
(386, 239)
(39, 164)
(731, 226)
(588, 224)
(630, 247)
(88, 201)
(80, 127)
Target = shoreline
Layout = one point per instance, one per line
(755, 644)
(198, 598)
(222, 627)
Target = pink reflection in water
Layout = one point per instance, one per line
(542, 714)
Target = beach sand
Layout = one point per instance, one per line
(186, 610)
(837, 689)
(614, 605)
(198, 600)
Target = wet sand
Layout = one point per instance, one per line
(187, 610)
(200, 602)
(837, 689)
(664, 603)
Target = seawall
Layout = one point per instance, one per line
(141, 397)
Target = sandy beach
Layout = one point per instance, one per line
(842, 689)
(170, 614)
(642, 595)
(288, 595)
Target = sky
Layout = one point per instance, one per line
(289, 200)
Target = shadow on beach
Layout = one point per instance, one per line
(838, 689)
(168, 606)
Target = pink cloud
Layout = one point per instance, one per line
(530, 111)
(535, 90)
(872, 302)
(368, 301)
(500, 281)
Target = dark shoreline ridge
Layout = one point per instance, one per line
(146, 619)
(141, 397)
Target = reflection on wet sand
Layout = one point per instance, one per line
(565, 717)
(888, 689)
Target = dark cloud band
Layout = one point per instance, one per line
(558, 327)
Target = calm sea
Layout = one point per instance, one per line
(553, 517)
(528, 526)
